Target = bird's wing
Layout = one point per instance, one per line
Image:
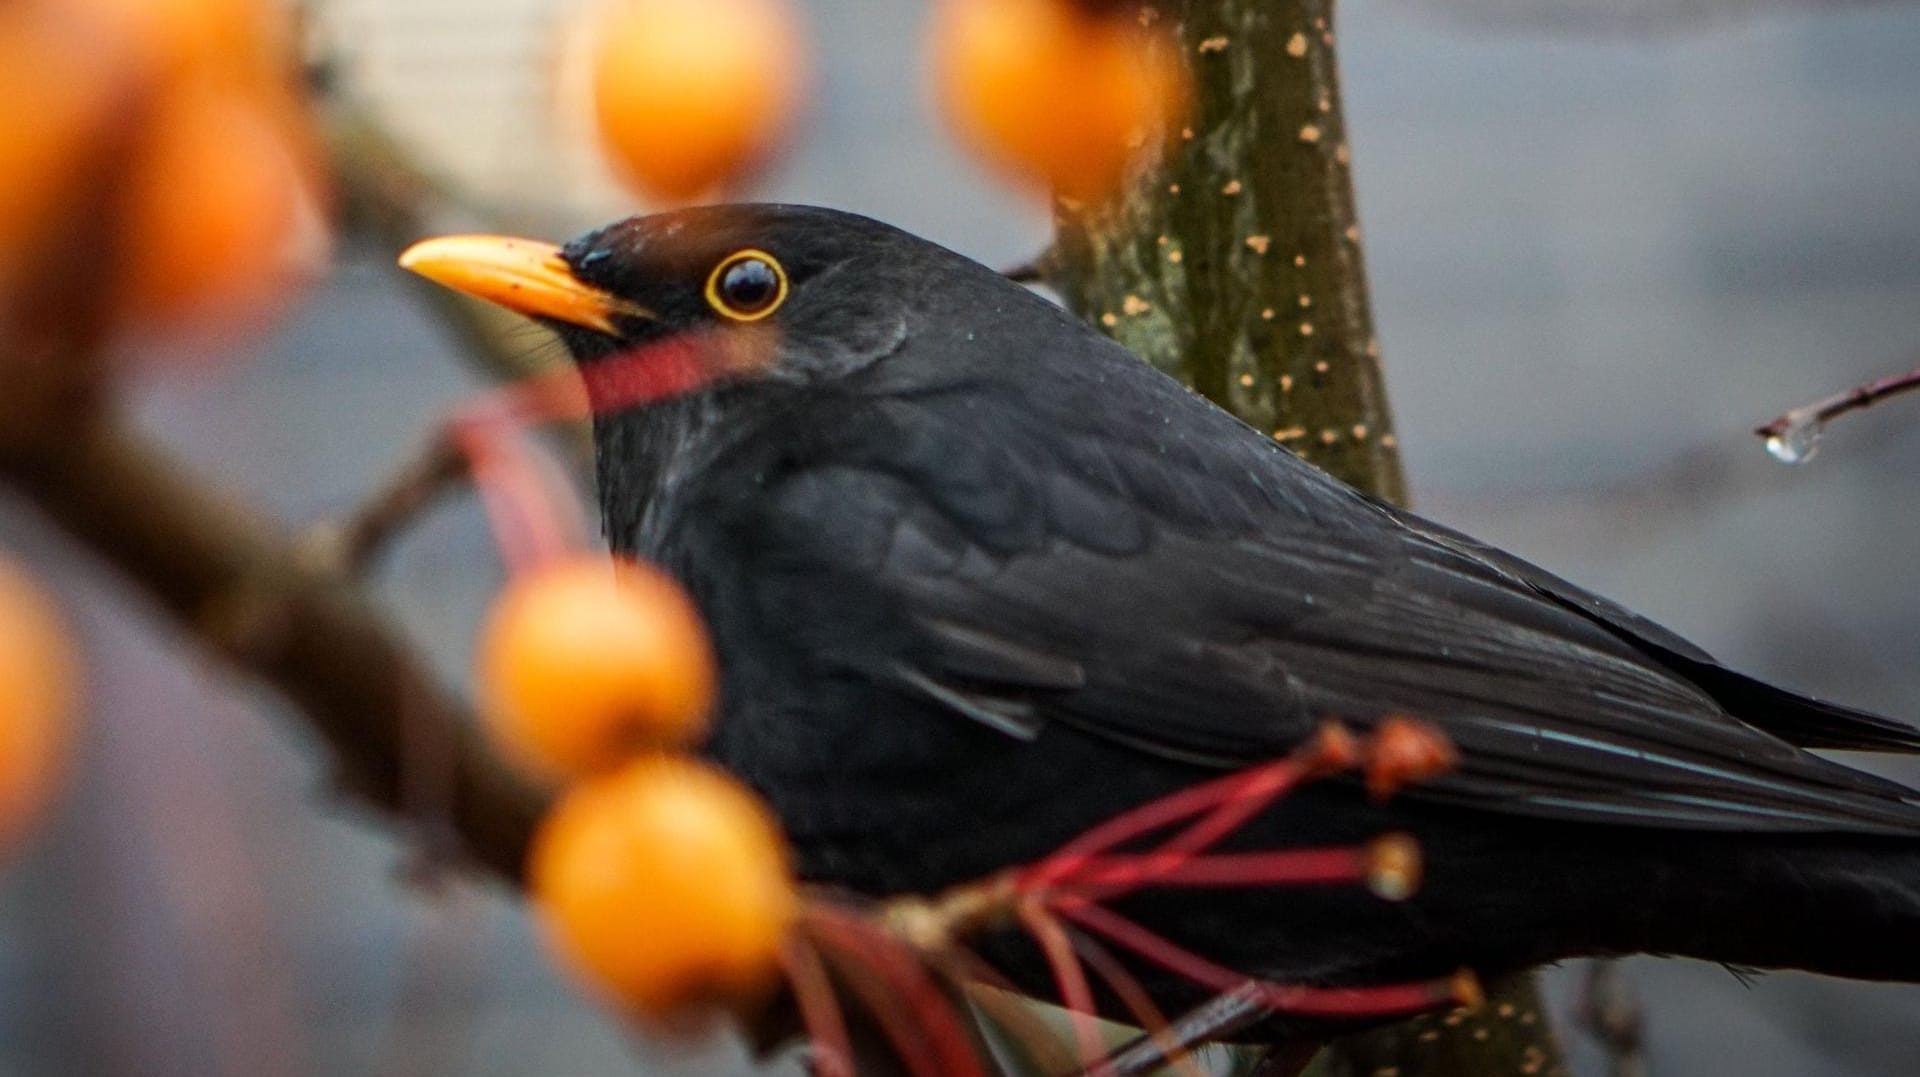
(1204, 596)
(1797, 719)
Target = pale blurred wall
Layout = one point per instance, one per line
(1589, 258)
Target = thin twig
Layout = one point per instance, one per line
(1218, 1018)
(354, 541)
(1832, 407)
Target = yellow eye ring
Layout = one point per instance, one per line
(747, 285)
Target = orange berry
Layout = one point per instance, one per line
(1055, 92)
(583, 662)
(666, 884)
(691, 94)
(57, 83)
(1405, 750)
(37, 689)
(218, 203)
(248, 41)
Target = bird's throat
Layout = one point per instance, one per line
(639, 457)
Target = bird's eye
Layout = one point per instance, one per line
(747, 286)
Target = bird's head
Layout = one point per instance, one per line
(788, 294)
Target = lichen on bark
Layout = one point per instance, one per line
(1236, 264)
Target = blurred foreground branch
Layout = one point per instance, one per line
(248, 590)
(239, 586)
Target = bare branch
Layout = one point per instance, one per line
(1795, 431)
(1217, 1019)
(351, 543)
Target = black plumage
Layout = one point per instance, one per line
(980, 578)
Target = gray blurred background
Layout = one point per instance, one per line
(1601, 248)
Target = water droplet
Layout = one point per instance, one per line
(1797, 441)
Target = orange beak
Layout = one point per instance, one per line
(523, 275)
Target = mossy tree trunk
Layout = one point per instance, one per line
(1235, 265)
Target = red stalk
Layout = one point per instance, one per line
(1069, 859)
(1377, 1001)
(1071, 980)
(1110, 875)
(819, 1008)
(947, 1048)
(1138, 1003)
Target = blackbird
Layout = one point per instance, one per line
(979, 578)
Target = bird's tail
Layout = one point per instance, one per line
(1840, 906)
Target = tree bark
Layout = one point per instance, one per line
(1234, 264)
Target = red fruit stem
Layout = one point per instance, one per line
(1107, 876)
(1233, 800)
(506, 518)
(819, 1008)
(1266, 780)
(1377, 1001)
(524, 504)
(1135, 998)
(933, 1044)
(1071, 980)
(857, 969)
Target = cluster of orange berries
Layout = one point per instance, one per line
(169, 134)
(156, 156)
(1061, 94)
(661, 880)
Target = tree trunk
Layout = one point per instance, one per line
(1235, 265)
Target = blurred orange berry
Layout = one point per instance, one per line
(57, 85)
(1054, 91)
(1405, 750)
(192, 102)
(691, 94)
(666, 884)
(218, 203)
(37, 689)
(250, 42)
(583, 662)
